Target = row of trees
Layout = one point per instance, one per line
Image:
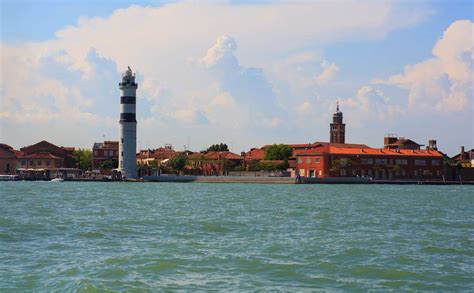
(219, 147)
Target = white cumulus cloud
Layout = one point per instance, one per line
(445, 82)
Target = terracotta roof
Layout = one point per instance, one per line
(404, 141)
(255, 154)
(466, 156)
(370, 151)
(163, 153)
(214, 155)
(7, 151)
(196, 156)
(69, 148)
(40, 156)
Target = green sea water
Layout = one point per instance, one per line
(92, 237)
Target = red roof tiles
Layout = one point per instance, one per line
(329, 149)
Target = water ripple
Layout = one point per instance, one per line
(107, 237)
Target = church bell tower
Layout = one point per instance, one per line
(337, 128)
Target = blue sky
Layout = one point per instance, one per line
(246, 73)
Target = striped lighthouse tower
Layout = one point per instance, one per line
(128, 126)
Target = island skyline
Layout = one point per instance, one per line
(229, 84)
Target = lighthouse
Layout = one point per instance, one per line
(128, 125)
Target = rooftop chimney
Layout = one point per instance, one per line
(432, 145)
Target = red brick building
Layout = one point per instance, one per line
(213, 162)
(105, 151)
(339, 161)
(44, 153)
(8, 159)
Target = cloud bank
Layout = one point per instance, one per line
(250, 73)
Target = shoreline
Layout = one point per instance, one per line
(269, 180)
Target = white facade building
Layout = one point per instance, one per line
(128, 126)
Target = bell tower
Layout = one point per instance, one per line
(337, 128)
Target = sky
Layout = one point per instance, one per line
(246, 73)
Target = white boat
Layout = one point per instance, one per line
(9, 177)
(57, 180)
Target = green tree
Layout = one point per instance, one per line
(108, 164)
(278, 152)
(271, 166)
(178, 162)
(218, 147)
(83, 159)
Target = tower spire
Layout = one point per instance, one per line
(337, 127)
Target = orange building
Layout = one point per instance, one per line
(339, 161)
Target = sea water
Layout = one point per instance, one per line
(78, 236)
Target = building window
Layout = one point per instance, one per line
(380, 161)
(311, 173)
(96, 153)
(320, 172)
(121, 140)
(366, 161)
(122, 154)
(420, 162)
(435, 162)
(40, 163)
(48, 162)
(401, 161)
(316, 160)
(308, 160)
(23, 163)
(31, 163)
(300, 160)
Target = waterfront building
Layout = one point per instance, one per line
(45, 160)
(213, 163)
(105, 151)
(128, 126)
(384, 163)
(8, 159)
(148, 157)
(64, 154)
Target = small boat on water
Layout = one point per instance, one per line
(57, 180)
(9, 177)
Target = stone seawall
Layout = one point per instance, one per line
(221, 179)
(288, 180)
